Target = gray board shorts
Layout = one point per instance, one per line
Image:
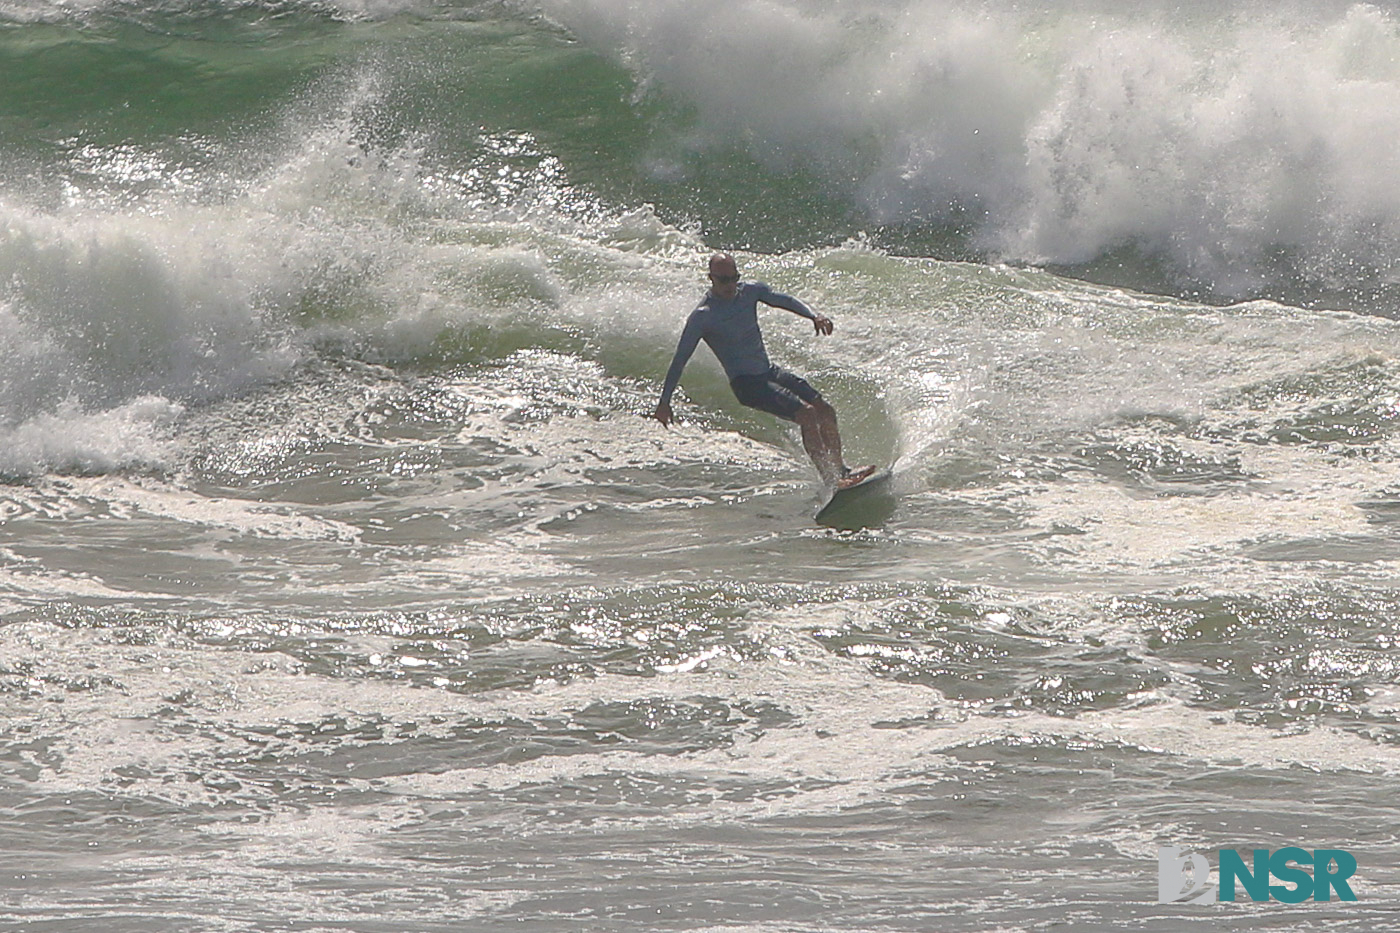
(777, 392)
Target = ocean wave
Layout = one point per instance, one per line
(338, 250)
(1241, 143)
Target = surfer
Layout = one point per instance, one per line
(727, 320)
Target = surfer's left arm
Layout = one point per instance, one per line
(788, 303)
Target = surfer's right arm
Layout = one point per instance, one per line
(690, 339)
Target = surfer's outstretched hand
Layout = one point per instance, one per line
(823, 324)
(663, 414)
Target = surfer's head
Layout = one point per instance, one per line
(724, 275)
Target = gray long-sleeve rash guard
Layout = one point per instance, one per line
(731, 330)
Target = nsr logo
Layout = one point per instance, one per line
(1184, 877)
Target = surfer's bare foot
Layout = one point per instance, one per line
(853, 477)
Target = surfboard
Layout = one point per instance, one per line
(863, 500)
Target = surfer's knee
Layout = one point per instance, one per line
(823, 413)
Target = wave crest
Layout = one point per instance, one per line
(1238, 142)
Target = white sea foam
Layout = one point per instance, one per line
(69, 439)
(113, 321)
(1217, 135)
(829, 697)
(112, 310)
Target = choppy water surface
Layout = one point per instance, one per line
(345, 586)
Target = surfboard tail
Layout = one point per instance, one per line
(855, 501)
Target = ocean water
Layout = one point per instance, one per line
(344, 584)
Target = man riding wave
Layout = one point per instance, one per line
(727, 320)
